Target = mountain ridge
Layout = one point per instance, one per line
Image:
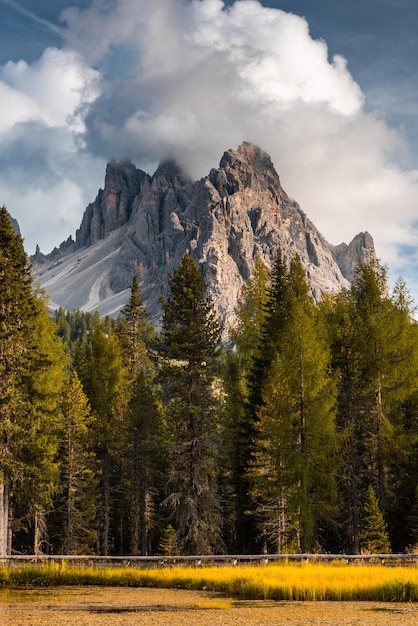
(142, 224)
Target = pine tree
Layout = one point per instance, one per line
(374, 345)
(16, 308)
(340, 318)
(189, 341)
(42, 386)
(273, 321)
(135, 331)
(143, 461)
(77, 498)
(103, 376)
(32, 364)
(373, 534)
(238, 423)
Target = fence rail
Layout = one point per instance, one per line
(199, 561)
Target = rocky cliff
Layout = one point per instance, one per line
(141, 224)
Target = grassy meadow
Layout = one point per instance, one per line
(304, 581)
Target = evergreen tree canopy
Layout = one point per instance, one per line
(373, 534)
(32, 371)
(189, 341)
(190, 328)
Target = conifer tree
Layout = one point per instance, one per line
(76, 505)
(144, 461)
(42, 386)
(339, 316)
(294, 467)
(135, 330)
(273, 321)
(374, 345)
(189, 341)
(32, 365)
(271, 316)
(373, 534)
(238, 423)
(103, 376)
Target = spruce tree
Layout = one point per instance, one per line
(340, 319)
(374, 346)
(144, 461)
(135, 331)
(373, 534)
(188, 346)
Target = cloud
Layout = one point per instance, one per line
(203, 77)
(43, 160)
(190, 79)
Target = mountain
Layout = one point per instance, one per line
(142, 224)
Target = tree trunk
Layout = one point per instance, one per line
(135, 509)
(40, 533)
(4, 517)
(105, 534)
(380, 460)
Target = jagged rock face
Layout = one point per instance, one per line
(113, 205)
(144, 225)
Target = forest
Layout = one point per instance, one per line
(299, 434)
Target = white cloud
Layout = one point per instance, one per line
(206, 77)
(53, 88)
(190, 79)
(43, 165)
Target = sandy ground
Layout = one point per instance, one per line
(145, 607)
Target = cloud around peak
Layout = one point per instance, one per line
(190, 79)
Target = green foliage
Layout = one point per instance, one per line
(75, 506)
(32, 370)
(373, 534)
(168, 544)
(109, 433)
(135, 332)
(188, 346)
(103, 375)
(144, 461)
(293, 468)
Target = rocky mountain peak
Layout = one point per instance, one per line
(347, 255)
(171, 173)
(112, 207)
(248, 167)
(143, 225)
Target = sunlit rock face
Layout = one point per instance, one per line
(143, 225)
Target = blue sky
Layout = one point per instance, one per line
(328, 88)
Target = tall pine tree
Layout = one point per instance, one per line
(189, 341)
(32, 370)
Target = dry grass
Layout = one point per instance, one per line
(304, 581)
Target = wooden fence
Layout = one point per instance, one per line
(209, 560)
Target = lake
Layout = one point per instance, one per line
(103, 606)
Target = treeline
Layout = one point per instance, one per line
(299, 435)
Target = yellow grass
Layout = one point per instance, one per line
(306, 581)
